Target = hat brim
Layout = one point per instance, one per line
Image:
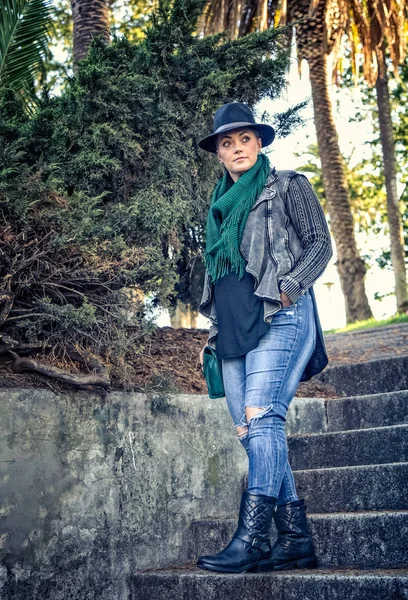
(266, 133)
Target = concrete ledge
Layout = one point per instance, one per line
(93, 489)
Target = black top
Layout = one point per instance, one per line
(239, 314)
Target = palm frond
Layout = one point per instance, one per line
(25, 28)
(377, 22)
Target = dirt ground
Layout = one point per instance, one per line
(171, 361)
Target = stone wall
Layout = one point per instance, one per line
(93, 489)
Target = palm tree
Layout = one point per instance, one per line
(374, 22)
(236, 16)
(25, 31)
(318, 34)
(319, 27)
(90, 17)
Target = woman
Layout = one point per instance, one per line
(267, 242)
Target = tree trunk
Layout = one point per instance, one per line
(350, 266)
(184, 316)
(90, 17)
(393, 210)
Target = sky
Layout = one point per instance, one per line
(330, 299)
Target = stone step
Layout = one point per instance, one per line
(366, 540)
(362, 412)
(343, 449)
(317, 584)
(367, 487)
(318, 415)
(371, 377)
(363, 487)
(362, 540)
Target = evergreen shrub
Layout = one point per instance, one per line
(104, 187)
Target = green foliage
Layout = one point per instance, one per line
(25, 28)
(59, 63)
(105, 187)
(126, 17)
(400, 120)
(398, 90)
(365, 184)
(130, 17)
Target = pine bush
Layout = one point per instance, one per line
(104, 186)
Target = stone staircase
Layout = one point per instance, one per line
(352, 470)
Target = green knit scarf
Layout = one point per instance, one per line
(227, 216)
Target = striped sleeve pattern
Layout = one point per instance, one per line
(308, 219)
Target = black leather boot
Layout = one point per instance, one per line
(294, 547)
(250, 545)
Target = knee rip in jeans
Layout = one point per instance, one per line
(242, 431)
(261, 412)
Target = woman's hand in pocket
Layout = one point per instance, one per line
(286, 301)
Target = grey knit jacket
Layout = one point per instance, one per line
(286, 245)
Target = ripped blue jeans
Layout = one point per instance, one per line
(267, 378)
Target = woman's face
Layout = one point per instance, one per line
(238, 150)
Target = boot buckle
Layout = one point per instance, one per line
(260, 545)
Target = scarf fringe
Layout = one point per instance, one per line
(233, 202)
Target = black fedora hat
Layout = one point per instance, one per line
(235, 115)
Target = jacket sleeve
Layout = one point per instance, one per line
(307, 217)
